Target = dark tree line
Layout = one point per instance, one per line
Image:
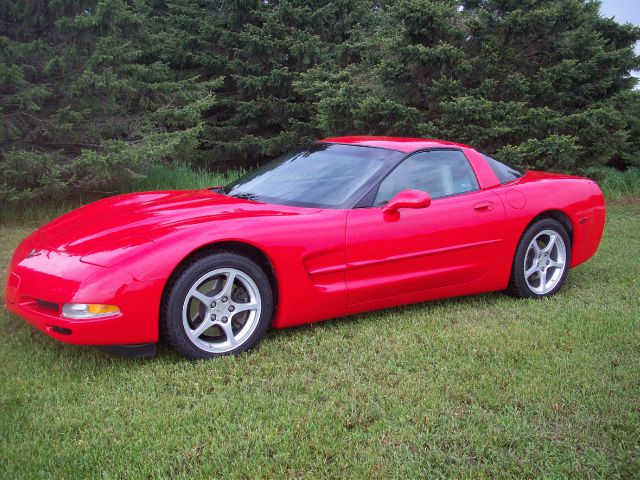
(93, 91)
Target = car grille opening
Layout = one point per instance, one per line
(47, 305)
(61, 330)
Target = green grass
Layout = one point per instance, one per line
(483, 386)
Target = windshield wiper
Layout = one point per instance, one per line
(246, 196)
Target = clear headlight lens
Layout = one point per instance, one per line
(88, 310)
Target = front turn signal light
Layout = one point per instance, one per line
(80, 311)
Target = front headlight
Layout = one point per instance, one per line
(82, 311)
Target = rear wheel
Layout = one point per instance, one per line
(218, 304)
(542, 259)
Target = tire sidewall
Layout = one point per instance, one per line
(172, 327)
(519, 284)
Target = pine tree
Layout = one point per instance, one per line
(547, 76)
(83, 91)
(263, 50)
(544, 84)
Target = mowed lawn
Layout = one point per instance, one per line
(485, 386)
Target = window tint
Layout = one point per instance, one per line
(440, 173)
(505, 173)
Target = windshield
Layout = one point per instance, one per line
(324, 175)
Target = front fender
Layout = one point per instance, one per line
(305, 251)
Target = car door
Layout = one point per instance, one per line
(455, 240)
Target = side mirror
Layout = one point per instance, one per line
(407, 199)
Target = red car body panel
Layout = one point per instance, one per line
(327, 262)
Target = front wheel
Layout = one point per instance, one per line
(542, 259)
(217, 304)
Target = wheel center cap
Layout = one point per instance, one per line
(222, 310)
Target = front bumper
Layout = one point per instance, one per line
(41, 281)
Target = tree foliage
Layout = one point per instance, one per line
(543, 84)
(92, 91)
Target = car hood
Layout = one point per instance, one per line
(140, 217)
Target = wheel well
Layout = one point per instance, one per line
(240, 248)
(559, 216)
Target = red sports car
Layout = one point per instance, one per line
(347, 225)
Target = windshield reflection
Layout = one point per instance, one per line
(323, 175)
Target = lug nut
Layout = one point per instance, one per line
(224, 299)
(213, 316)
(231, 308)
(224, 319)
(213, 304)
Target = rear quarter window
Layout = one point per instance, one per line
(505, 172)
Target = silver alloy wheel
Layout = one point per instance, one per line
(545, 261)
(221, 310)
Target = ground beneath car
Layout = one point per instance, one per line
(485, 385)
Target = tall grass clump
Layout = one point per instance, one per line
(616, 183)
(182, 176)
(159, 176)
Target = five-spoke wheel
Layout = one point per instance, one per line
(221, 309)
(542, 258)
(217, 304)
(545, 261)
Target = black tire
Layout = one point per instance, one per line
(172, 326)
(518, 285)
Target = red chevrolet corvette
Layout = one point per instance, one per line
(347, 225)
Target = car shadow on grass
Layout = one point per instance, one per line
(427, 309)
(341, 327)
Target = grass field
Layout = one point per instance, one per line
(484, 386)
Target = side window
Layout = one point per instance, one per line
(440, 173)
(505, 172)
